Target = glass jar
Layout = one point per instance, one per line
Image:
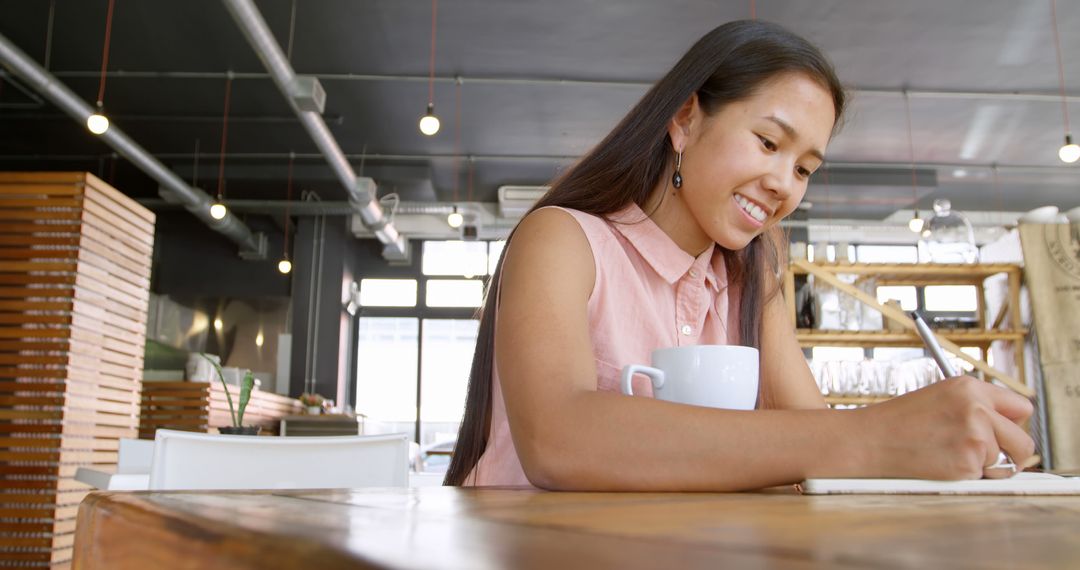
(948, 236)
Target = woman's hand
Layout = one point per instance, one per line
(949, 430)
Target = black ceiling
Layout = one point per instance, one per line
(960, 58)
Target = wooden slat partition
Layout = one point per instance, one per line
(174, 405)
(202, 407)
(74, 289)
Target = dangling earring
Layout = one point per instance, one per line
(676, 179)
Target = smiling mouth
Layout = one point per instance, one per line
(751, 209)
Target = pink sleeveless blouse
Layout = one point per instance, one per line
(648, 294)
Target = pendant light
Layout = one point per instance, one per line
(285, 266)
(218, 209)
(98, 123)
(429, 123)
(455, 219)
(916, 223)
(1070, 151)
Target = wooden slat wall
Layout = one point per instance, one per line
(74, 289)
(202, 407)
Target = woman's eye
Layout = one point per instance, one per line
(768, 144)
(803, 172)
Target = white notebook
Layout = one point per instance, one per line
(1026, 483)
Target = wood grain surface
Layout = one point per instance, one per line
(75, 258)
(441, 527)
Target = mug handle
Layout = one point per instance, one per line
(655, 374)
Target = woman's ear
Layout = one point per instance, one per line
(686, 119)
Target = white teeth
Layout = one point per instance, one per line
(751, 208)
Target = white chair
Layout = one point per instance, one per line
(186, 460)
(135, 456)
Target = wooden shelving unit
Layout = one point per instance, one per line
(988, 331)
(812, 337)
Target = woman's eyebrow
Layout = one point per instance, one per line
(793, 134)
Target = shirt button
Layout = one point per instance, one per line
(693, 273)
(686, 330)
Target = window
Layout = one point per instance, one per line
(454, 293)
(456, 258)
(448, 346)
(906, 294)
(388, 292)
(410, 347)
(495, 250)
(887, 254)
(951, 298)
(387, 354)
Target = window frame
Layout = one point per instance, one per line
(422, 312)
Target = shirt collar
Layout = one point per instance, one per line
(662, 253)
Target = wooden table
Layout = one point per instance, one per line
(504, 528)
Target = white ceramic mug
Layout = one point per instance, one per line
(714, 375)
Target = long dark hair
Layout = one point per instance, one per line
(726, 65)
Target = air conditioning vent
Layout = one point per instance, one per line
(515, 201)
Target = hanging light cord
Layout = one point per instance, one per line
(105, 53)
(911, 153)
(48, 33)
(457, 139)
(224, 136)
(292, 28)
(1061, 70)
(431, 73)
(472, 161)
(288, 202)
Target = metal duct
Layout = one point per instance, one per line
(361, 191)
(173, 188)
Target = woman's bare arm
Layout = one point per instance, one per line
(786, 380)
(570, 436)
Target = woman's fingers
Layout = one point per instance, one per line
(1012, 441)
(1013, 406)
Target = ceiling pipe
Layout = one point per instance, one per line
(300, 208)
(173, 188)
(528, 81)
(361, 191)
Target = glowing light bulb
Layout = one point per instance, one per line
(1069, 152)
(429, 123)
(455, 219)
(916, 224)
(97, 123)
(218, 324)
(218, 211)
(284, 266)
(259, 339)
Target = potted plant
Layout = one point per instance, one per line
(237, 415)
(313, 403)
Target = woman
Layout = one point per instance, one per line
(666, 234)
